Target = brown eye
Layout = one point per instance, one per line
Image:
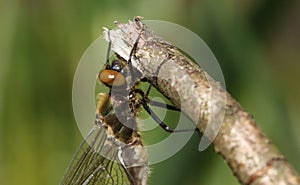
(111, 78)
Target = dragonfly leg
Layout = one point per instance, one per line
(163, 105)
(157, 103)
(108, 49)
(133, 50)
(160, 122)
(145, 101)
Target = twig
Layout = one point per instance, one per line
(251, 156)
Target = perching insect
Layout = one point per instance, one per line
(113, 153)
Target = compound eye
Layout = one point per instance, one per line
(111, 78)
(116, 65)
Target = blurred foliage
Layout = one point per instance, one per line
(256, 42)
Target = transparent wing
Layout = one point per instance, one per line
(90, 167)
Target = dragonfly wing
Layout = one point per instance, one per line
(95, 162)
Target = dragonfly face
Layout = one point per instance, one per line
(112, 75)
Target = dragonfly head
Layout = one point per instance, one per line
(112, 75)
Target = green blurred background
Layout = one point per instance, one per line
(257, 43)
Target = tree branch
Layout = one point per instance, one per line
(251, 156)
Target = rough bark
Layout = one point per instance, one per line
(249, 153)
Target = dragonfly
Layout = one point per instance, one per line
(113, 152)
